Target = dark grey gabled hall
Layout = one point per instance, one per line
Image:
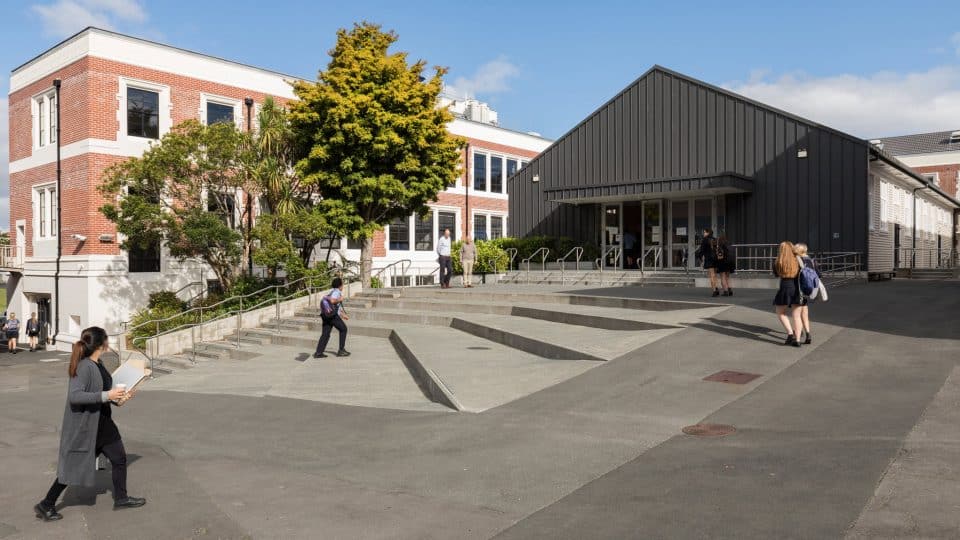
(670, 155)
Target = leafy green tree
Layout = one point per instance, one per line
(370, 136)
(182, 191)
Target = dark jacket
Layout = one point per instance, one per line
(81, 418)
(706, 251)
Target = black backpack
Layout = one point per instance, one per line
(718, 250)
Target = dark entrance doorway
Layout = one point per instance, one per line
(43, 317)
(896, 246)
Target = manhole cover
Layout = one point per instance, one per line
(731, 377)
(709, 430)
(479, 348)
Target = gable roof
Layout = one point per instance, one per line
(713, 88)
(921, 143)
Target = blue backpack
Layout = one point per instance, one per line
(809, 281)
(327, 308)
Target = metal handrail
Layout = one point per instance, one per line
(759, 257)
(404, 265)
(238, 312)
(544, 252)
(512, 252)
(912, 258)
(617, 253)
(657, 257)
(562, 261)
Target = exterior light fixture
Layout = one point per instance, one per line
(802, 153)
(536, 178)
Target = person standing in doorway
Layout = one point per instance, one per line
(805, 260)
(726, 264)
(468, 255)
(446, 265)
(88, 428)
(788, 296)
(333, 320)
(708, 252)
(12, 329)
(33, 331)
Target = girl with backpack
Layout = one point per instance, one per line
(725, 264)
(12, 329)
(708, 252)
(788, 297)
(805, 261)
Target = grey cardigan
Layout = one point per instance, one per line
(81, 418)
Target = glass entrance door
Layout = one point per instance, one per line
(679, 234)
(652, 234)
(611, 234)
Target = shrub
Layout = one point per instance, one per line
(165, 299)
(490, 257)
(375, 283)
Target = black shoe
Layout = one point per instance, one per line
(319, 355)
(790, 340)
(716, 292)
(47, 514)
(725, 293)
(129, 502)
(343, 352)
(795, 343)
(809, 339)
(729, 292)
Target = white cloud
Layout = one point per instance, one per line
(64, 17)
(4, 160)
(490, 78)
(877, 105)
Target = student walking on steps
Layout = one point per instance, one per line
(88, 428)
(333, 315)
(33, 331)
(788, 297)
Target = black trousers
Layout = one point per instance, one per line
(329, 323)
(446, 269)
(118, 459)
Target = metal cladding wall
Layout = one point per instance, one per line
(665, 126)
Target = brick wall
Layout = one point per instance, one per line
(948, 176)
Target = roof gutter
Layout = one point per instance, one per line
(900, 166)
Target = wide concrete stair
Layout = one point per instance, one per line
(591, 278)
(463, 350)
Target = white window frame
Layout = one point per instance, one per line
(489, 155)
(43, 114)
(237, 105)
(435, 210)
(50, 208)
(131, 143)
(933, 177)
(488, 214)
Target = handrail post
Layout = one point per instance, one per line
(239, 316)
(277, 304)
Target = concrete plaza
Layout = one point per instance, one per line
(549, 429)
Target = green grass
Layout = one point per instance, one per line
(3, 299)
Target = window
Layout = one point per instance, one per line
(41, 127)
(480, 227)
(224, 204)
(143, 258)
(523, 164)
(423, 233)
(329, 243)
(496, 174)
(496, 227)
(884, 205)
(511, 167)
(354, 244)
(218, 112)
(43, 213)
(933, 177)
(400, 234)
(479, 172)
(447, 220)
(52, 105)
(53, 212)
(143, 113)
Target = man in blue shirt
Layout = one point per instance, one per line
(335, 320)
(446, 265)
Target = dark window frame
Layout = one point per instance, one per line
(142, 122)
(480, 176)
(397, 225)
(223, 108)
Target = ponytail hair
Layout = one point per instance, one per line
(91, 340)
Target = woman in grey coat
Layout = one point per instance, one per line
(88, 429)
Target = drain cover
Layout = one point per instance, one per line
(732, 377)
(709, 430)
(479, 348)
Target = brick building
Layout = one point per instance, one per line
(935, 155)
(118, 94)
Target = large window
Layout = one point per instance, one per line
(496, 227)
(144, 258)
(496, 174)
(423, 233)
(45, 120)
(46, 211)
(447, 220)
(44, 216)
(224, 204)
(42, 124)
(480, 227)
(511, 167)
(218, 112)
(143, 113)
(400, 234)
(479, 172)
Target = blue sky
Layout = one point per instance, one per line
(871, 68)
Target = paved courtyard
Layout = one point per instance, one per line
(519, 424)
